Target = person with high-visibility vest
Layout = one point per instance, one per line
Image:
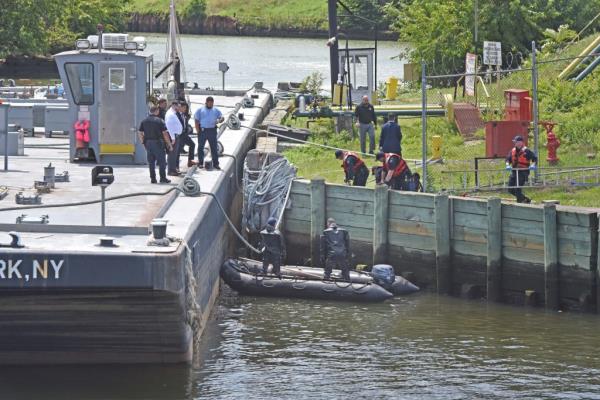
(519, 161)
(355, 169)
(395, 172)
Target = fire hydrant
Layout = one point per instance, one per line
(553, 143)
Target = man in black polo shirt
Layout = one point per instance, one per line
(154, 135)
(365, 113)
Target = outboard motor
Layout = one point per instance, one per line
(383, 275)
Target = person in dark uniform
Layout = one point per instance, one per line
(184, 138)
(394, 172)
(355, 169)
(519, 161)
(162, 108)
(335, 250)
(390, 140)
(153, 134)
(274, 249)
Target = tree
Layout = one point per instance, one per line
(442, 31)
(369, 9)
(45, 26)
(195, 9)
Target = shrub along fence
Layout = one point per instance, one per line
(508, 252)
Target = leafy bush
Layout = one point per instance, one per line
(195, 9)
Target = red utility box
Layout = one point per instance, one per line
(499, 136)
(518, 105)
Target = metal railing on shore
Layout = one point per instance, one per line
(499, 178)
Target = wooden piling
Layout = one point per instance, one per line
(317, 218)
(597, 274)
(494, 249)
(550, 257)
(380, 224)
(442, 244)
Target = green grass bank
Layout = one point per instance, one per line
(574, 106)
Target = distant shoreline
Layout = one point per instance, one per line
(228, 26)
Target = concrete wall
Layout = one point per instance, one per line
(503, 251)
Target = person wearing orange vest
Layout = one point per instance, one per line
(355, 169)
(394, 172)
(519, 162)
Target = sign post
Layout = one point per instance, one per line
(223, 67)
(492, 55)
(470, 61)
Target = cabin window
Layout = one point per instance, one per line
(116, 79)
(81, 82)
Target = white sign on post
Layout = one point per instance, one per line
(470, 74)
(492, 53)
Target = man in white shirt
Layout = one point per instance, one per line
(174, 125)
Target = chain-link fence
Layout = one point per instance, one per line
(465, 148)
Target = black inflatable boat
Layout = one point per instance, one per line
(241, 275)
(382, 275)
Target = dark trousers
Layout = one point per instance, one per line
(185, 139)
(155, 151)
(361, 176)
(337, 263)
(271, 258)
(173, 157)
(522, 176)
(209, 134)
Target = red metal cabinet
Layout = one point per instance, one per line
(499, 136)
(517, 105)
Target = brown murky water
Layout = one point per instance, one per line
(415, 347)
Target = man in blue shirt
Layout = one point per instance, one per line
(391, 136)
(206, 119)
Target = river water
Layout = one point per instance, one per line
(417, 347)
(269, 60)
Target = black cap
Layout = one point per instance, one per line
(338, 153)
(518, 138)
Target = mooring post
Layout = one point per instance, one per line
(442, 244)
(380, 224)
(550, 257)
(317, 218)
(494, 249)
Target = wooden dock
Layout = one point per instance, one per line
(476, 248)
